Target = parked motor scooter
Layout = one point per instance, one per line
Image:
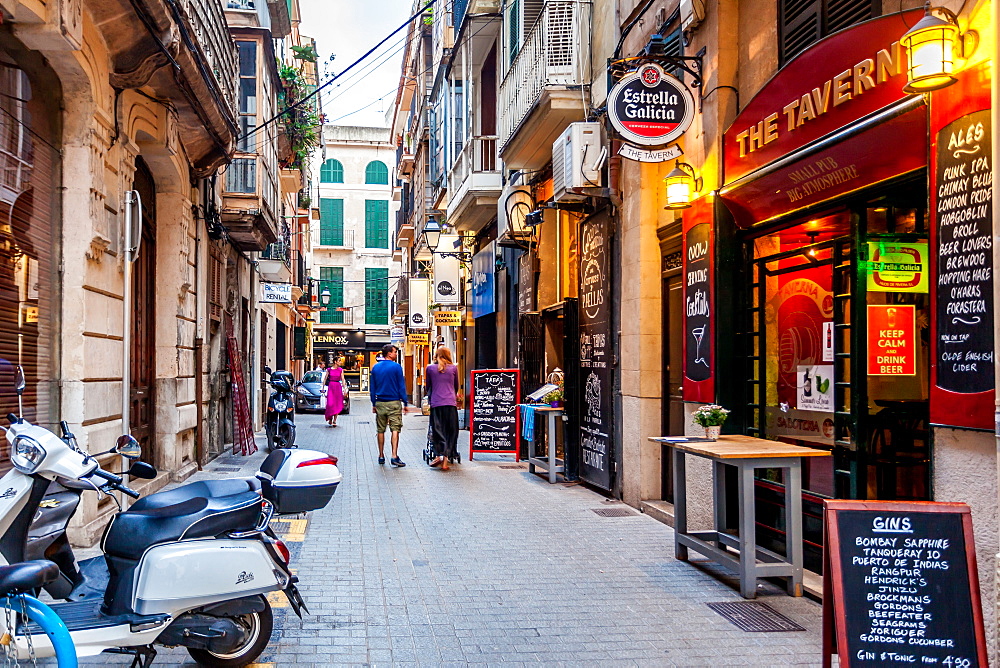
(215, 533)
(279, 423)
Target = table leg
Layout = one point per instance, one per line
(531, 450)
(793, 525)
(680, 504)
(551, 435)
(719, 494)
(748, 533)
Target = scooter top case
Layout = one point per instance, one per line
(297, 481)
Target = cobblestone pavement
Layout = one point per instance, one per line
(483, 565)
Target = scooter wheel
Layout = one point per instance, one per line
(258, 626)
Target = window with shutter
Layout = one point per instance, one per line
(331, 222)
(804, 22)
(513, 29)
(377, 173)
(216, 274)
(673, 45)
(332, 279)
(332, 171)
(376, 296)
(376, 223)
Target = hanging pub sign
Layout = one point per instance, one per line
(419, 317)
(650, 107)
(418, 338)
(892, 340)
(897, 267)
(276, 293)
(447, 279)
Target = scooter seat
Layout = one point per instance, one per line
(132, 532)
(207, 489)
(26, 576)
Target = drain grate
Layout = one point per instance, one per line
(615, 512)
(365, 422)
(227, 469)
(755, 617)
(512, 466)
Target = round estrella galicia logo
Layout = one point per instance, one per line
(650, 74)
(650, 107)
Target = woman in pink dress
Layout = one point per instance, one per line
(333, 382)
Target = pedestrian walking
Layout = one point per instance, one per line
(320, 365)
(441, 387)
(333, 385)
(388, 392)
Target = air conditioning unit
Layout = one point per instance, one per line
(577, 158)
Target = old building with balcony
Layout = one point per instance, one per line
(352, 245)
(101, 98)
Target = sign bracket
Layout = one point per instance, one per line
(691, 65)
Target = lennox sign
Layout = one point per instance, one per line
(649, 107)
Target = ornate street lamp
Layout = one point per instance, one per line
(679, 184)
(324, 297)
(432, 234)
(932, 46)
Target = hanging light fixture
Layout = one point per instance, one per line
(932, 46)
(679, 184)
(432, 233)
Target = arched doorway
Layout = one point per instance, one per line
(142, 361)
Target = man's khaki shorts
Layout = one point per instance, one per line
(388, 413)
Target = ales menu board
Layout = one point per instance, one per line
(964, 211)
(596, 422)
(494, 422)
(697, 305)
(904, 585)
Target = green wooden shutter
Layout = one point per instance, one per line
(331, 222)
(376, 223)
(376, 172)
(332, 279)
(331, 172)
(376, 296)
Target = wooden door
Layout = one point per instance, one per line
(143, 409)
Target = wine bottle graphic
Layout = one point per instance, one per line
(807, 386)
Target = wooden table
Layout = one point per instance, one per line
(550, 462)
(747, 454)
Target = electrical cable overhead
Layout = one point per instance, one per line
(338, 76)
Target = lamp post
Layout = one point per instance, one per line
(432, 239)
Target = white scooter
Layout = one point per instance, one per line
(188, 567)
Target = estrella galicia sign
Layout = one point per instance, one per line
(650, 107)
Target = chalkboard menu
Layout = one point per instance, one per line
(697, 305)
(596, 423)
(494, 423)
(964, 211)
(901, 585)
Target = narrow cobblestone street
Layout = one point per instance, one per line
(484, 565)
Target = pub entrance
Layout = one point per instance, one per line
(837, 334)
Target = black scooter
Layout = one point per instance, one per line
(279, 423)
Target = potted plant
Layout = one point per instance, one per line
(554, 398)
(711, 417)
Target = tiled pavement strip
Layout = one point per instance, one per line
(487, 566)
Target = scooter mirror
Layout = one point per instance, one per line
(19, 382)
(128, 447)
(267, 370)
(142, 470)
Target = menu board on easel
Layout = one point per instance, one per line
(495, 419)
(901, 586)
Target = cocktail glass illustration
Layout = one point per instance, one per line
(699, 334)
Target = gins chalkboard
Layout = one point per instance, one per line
(901, 586)
(964, 211)
(495, 419)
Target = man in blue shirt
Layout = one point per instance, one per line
(388, 390)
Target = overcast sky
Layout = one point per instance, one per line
(347, 29)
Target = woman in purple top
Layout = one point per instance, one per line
(441, 388)
(333, 384)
